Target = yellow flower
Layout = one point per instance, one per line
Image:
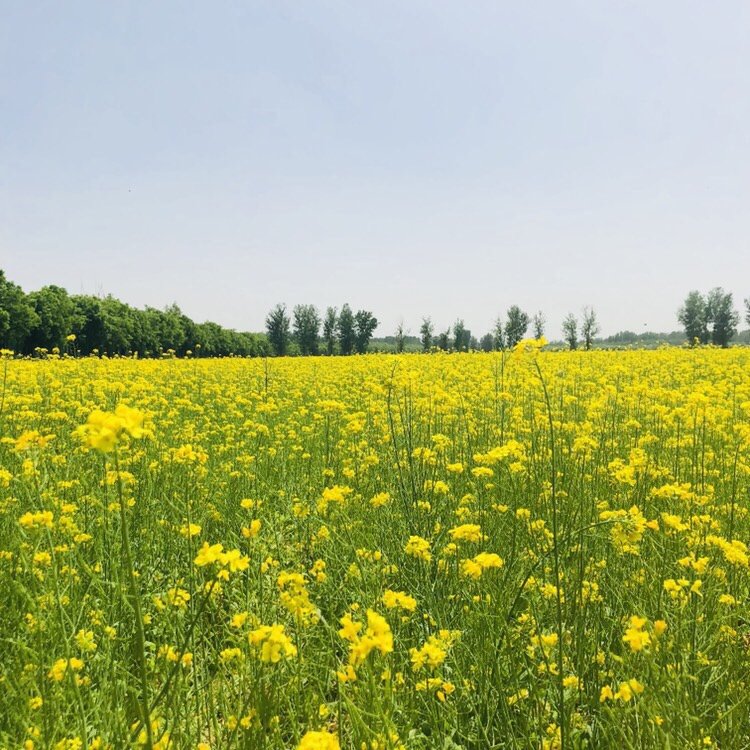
(483, 561)
(379, 500)
(635, 636)
(209, 554)
(190, 530)
(419, 548)
(42, 519)
(432, 654)
(469, 532)
(85, 640)
(399, 599)
(60, 668)
(272, 642)
(178, 598)
(319, 741)
(104, 430)
(251, 531)
(239, 619)
(377, 637)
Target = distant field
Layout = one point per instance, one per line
(448, 551)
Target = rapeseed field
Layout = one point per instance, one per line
(512, 550)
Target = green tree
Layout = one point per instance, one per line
(444, 340)
(747, 311)
(461, 336)
(537, 323)
(365, 324)
(55, 312)
(17, 316)
(589, 326)
(88, 323)
(570, 330)
(345, 329)
(693, 314)
(120, 330)
(425, 334)
(722, 316)
(400, 337)
(487, 342)
(306, 328)
(516, 326)
(277, 330)
(329, 330)
(498, 335)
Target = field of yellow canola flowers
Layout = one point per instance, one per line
(525, 550)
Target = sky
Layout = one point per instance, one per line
(413, 157)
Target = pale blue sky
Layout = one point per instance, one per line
(410, 157)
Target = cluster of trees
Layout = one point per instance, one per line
(305, 332)
(711, 318)
(505, 334)
(50, 318)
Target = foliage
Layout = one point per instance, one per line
(426, 333)
(723, 317)
(443, 341)
(365, 324)
(694, 317)
(400, 338)
(589, 327)
(487, 343)
(306, 328)
(330, 323)
(709, 318)
(498, 335)
(277, 330)
(537, 323)
(570, 331)
(17, 315)
(49, 319)
(346, 330)
(516, 326)
(461, 336)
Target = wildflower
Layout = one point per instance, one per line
(178, 598)
(104, 430)
(483, 561)
(60, 668)
(398, 599)
(85, 640)
(377, 637)
(272, 642)
(251, 531)
(319, 741)
(379, 500)
(419, 548)
(469, 532)
(432, 654)
(42, 519)
(190, 530)
(209, 554)
(635, 636)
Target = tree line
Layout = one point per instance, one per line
(305, 332)
(51, 319)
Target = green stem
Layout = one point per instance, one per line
(135, 602)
